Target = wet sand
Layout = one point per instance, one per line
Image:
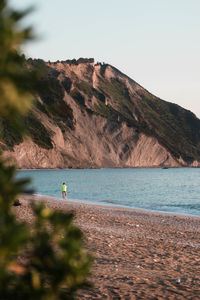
(138, 254)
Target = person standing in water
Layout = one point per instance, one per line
(64, 191)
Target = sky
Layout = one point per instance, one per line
(155, 42)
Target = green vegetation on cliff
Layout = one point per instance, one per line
(51, 93)
(11, 136)
(176, 129)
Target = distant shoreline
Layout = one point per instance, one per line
(164, 168)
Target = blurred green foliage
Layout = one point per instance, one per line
(46, 260)
(53, 262)
(15, 78)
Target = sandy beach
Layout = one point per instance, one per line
(138, 254)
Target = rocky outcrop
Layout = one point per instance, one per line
(97, 117)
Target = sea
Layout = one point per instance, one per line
(173, 190)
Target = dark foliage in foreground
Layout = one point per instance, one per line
(46, 260)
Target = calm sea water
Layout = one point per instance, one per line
(171, 190)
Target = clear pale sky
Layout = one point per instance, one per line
(155, 42)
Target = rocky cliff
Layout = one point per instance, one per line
(90, 115)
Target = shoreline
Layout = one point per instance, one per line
(112, 206)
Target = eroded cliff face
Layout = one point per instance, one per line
(95, 143)
(102, 145)
(109, 127)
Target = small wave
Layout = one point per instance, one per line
(195, 206)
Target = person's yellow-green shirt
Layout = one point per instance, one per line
(64, 188)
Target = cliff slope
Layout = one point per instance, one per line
(90, 115)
